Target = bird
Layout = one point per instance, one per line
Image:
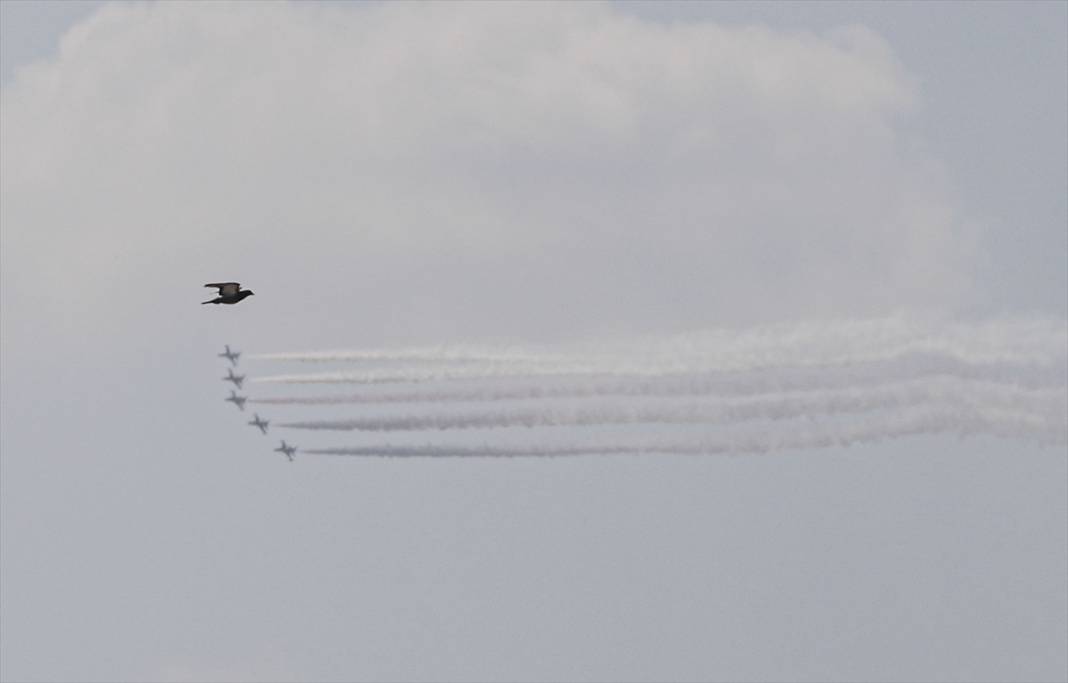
(229, 293)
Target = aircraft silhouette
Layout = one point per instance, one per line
(232, 356)
(288, 450)
(238, 380)
(238, 401)
(259, 422)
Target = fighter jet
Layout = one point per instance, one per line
(238, 401)
(288, 450)
(238, 380)
(259, 422)
(232, 356)
(229, 293)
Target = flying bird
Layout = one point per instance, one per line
(229, 293)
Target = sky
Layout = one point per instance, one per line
(784, 183)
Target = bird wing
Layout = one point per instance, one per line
(225, 288)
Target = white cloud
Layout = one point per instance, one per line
(472, 169)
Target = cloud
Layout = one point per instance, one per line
(440, 171)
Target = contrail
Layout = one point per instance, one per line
(739, 383)
(914, 423)
(1044, 411)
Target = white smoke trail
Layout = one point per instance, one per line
(761, 389)
(805, 344)
(914, 422)
(1044, 411)
(559, 372)
(429, 354)
(739, 383)
(985, 348)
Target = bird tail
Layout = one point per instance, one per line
(208, 302)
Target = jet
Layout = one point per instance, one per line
(238, 380)
(259, 422)
(238, 401)
(288, 450)
(229, 293)
(232, 356)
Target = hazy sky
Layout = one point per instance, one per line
(389, 175)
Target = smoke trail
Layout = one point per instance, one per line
(1032, 373)
(738, 383)
(913, 423)
(1044, 411)
(980, 346)
(428, 354)
(786, 386)
(1020, 341)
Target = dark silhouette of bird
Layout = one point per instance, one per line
(229, 293)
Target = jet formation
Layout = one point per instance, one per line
(239, 401)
